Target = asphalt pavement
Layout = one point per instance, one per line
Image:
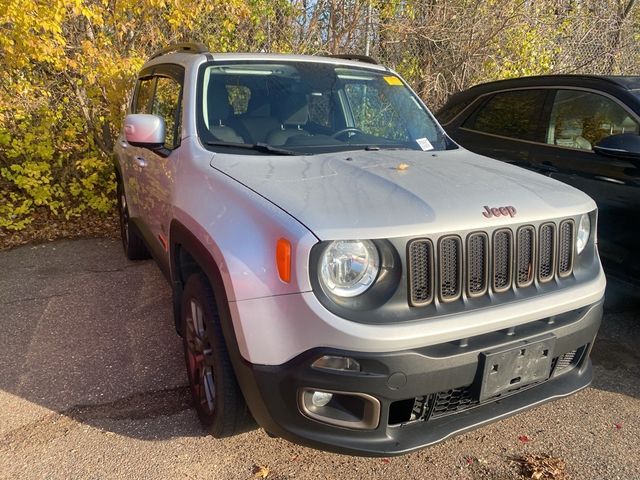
(92, 385)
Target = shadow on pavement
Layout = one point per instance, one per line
(89, 335)
(615, 354)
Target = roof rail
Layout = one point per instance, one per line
(190, 47)
(358, 58)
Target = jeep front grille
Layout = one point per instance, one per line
(450, 265)
(565, 250)
(502, 259)
(477, 266)
(525, 258)
(547, 252)
(488, 262)
(420, 254)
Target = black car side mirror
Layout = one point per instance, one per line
(622, 145)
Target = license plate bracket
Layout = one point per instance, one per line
(515, 366)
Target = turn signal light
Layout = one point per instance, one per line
(283, 259)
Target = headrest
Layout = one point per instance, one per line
(218, 107)
(294, 110)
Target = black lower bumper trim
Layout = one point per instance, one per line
(272, 391)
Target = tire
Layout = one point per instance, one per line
(133, 245)
(216, 394)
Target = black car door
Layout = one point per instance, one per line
(504, 125)
(577, 120)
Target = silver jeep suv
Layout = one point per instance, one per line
(343, 273)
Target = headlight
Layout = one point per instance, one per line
(349, 267)
(584, 230)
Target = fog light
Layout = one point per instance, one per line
(320, 399)
(331, 362)
(342, 409)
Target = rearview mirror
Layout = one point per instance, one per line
(143, 130)
(622, 145)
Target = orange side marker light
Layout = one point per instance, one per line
(283, 259)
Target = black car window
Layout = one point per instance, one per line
(144, 92)
(451, 110)
(166, 104)
(580, 119)
(512, 114)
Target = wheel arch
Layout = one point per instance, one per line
(186, 247)
(188, 255)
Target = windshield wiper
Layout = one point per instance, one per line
(258, 147)
(375, 148)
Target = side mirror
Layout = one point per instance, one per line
(622, 145)
(143, 130)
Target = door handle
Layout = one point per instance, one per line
(140, 161)
(609, 179)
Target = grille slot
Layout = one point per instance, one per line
(450, 268)
(420, 272)
(525, 256)
(452, 401)
(502, 259)
(546, 254)
(477, 263)
(565, 248)
(565, 360)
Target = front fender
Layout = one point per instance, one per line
(240, 230)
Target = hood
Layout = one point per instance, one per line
(394, 193)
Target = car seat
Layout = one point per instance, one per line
(219, 110)
(293, 114)
(569, 134)
(257, 122)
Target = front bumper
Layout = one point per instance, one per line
(425, 394)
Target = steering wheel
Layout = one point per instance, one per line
(347, 130)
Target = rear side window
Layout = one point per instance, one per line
(239, 96)
(581, 119)
(512, 114)
(144, 92)
(320, 108)
(166, 104)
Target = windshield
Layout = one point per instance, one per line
(308, 107)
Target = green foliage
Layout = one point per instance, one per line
(68, 68)
(525, 49)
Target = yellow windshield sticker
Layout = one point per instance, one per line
(393, 80)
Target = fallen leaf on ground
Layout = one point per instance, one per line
(618, 426)
(542, 467)
(385, 460)
(402, 166)
(261, 471)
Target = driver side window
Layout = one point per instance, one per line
(143, 94)
(166, 104)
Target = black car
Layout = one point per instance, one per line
(580, 129)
